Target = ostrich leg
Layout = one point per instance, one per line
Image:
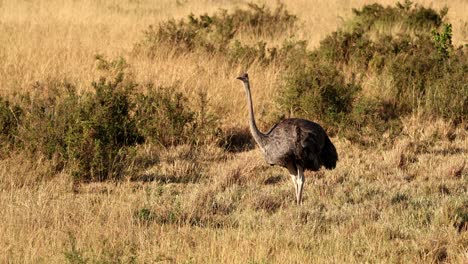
(299, 183)
(293, 172)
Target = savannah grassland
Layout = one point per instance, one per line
(398, 195)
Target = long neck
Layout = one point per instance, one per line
(257, 135)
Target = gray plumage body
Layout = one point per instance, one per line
(296, 144)
(301, 142)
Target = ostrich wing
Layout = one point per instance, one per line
(294, 140)
(309, 143)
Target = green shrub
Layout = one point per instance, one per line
(344, 48)
(89, 133)
(319, 91)
(373, 14)
(93, 134)
(144, 215)
(369, 36)
(423, 82)
(49, 110)
(289, 54)
(359, 44)
(163, 117)
(409, 72)
(447, 89)
(248, 54)
(424, 18)
(260, 20)
(443, 41)
(460, 217)
(424, 73)
(102, 130)
(217, 32)
(205, 128)
(369, 120)
(10, 115)
(409, 16)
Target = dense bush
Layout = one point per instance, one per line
(288, 54)
(320, 88)
(49, 110)
(369, 34)
(93, 134)
(424, 73)
(343, 48)
(216, 34)
(9, 120)
(89, 132)
(163, 117)
(375, 16)
(103, 129)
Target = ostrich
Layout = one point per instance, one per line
(295, 144)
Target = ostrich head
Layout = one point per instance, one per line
(244, 77)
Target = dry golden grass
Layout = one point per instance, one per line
(391, 205)
(386, 204)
